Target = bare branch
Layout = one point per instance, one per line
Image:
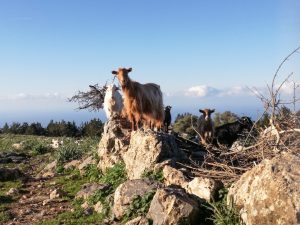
(92, 99)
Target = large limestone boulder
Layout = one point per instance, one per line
(114, 141)
(269, 193)
(146, 149)
(173, 207)
(127, 191)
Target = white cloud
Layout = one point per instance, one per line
(25, 96)
(201, 91)
(207, 91)
(235, 91)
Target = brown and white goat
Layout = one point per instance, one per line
(205, 126)
(142, 102)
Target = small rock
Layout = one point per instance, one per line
(57, 193)
(85, 205)
(88, 211)
(12, 191)
(46, 201)
(98, 207)
(204, 188)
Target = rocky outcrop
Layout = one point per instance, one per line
(173, 207)
(114, 141)
(147, 149)
(269, 193)
(127, 191)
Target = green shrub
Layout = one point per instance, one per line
(139, 206)
(115, 175)
(40, 149)
(154, 175)
(69, 152)
(92, 173)
(223, 214)
(4, 217)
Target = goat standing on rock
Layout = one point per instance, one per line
(205, 126)
(113, 102)
(142, 102)
(167, 118)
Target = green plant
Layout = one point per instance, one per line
(4, 216)
(60, 169)
(139, 206)
(40, 149)
(223, 214)
(154, 175)
(69, 152)
(92, 173)
(115, 175)
(104, 197)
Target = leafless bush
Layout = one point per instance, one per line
(92, 99)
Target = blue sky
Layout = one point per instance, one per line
(202, 53)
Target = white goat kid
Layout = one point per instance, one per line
(113, 101)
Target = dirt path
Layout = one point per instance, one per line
(34, 204)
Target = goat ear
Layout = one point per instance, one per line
(129, 69)
(200, 110)
(212, 111)
(114, 72)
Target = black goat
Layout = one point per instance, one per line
(229, 133)
(167, 118)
